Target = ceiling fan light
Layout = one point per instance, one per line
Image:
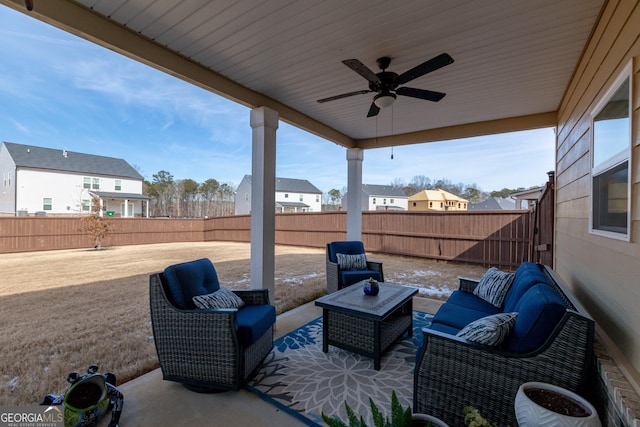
(384, 100)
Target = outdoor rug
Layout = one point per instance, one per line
(303, 381)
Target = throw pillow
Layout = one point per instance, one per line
(493, 286)
(222, 298)
(352, 262)
(491, 330)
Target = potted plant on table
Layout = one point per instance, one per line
(542, 404)
(399, 417)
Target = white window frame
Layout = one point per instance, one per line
(616, 159)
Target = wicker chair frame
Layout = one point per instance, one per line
(200, 348)
(452, 373)
(334, 281)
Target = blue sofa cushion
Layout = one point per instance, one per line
(526, 276)
(254, 321)
(469, 300)
(441, 327)
(354, 247)
(457, 317)
(189, 279)
(349, 277)
(539, 311)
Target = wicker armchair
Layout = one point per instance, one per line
(337, 278)
(205, 349)
(452, 373)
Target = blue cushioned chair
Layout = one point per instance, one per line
(207, 349)
(338, 278)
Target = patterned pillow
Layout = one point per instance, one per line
(352, 262)
(493, 286)
(491, 330)
(222, 298)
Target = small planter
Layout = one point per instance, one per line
(421, 420)
(540, 404)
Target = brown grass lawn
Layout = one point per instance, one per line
(64, 310)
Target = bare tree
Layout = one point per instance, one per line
(95, 224)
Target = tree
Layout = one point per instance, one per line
(95, 224)
(335, 195)
(162, 185)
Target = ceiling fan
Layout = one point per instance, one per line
(387, 83)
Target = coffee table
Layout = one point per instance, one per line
(366, 325)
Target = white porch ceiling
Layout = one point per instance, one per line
(513, 59)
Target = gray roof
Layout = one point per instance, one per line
(493, 203)
(292, 185)
(29, 156)
(116, 195)
(382, 190)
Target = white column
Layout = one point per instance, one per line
(354, 193)
(264, 123)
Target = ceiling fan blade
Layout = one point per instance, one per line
(362, 69)
(344, 95)
(373, 110)
(424, 68)
(429, 95)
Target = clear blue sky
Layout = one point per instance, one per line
(63, 92)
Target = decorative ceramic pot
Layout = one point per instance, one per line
(371, 287)
(420, 420)
(530, 413)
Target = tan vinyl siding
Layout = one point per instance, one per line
(603, 272)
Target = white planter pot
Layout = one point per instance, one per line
(423, 419)
(530, 414)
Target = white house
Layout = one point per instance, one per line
(45, 181)
(380, 197)
(292, 195)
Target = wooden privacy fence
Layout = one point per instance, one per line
(490, 238)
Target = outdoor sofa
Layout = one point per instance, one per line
(208, 349)
(551, 341)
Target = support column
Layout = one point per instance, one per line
(264, 123)
(355, 156)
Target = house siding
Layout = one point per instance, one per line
(602, 272)
(8, 187)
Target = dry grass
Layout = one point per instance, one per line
(65, 310)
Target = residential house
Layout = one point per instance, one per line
(493, 204)
(46, 181)
(380, 198)
(292, 195)
(437, 200)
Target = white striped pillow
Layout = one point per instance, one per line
(491, 330)
(222, 298)
(493, 286)
(352, 262)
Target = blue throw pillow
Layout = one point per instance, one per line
(491, 330)
(493, 286)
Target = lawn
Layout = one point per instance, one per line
(65, 310)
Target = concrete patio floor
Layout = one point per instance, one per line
(151, 401)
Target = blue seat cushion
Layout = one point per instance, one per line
(458, 317)
(526, 276)
(349, 277)
(539, 311)
(254, 321)
(189, 279)
(469, 300)
(441, 327)
(354, 247)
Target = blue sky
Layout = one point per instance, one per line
(60, 91)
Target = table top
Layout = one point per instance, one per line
(352, 300)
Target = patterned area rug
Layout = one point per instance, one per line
(305, 382)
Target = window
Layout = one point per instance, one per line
(286, 195)
(47, 204)
(384, 201)
(118, 184)
(95, 184)
(414, 203)
(301, 198)
(86, 205)
(87, 182)
(610, 161)
(374, 200)
(390, 200)
(317, 198)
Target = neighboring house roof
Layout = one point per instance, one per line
(292, 185)
(382, 190)
(29, 156)
(292, 204)
(493, 203)
(437, 194)
(117, 195)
